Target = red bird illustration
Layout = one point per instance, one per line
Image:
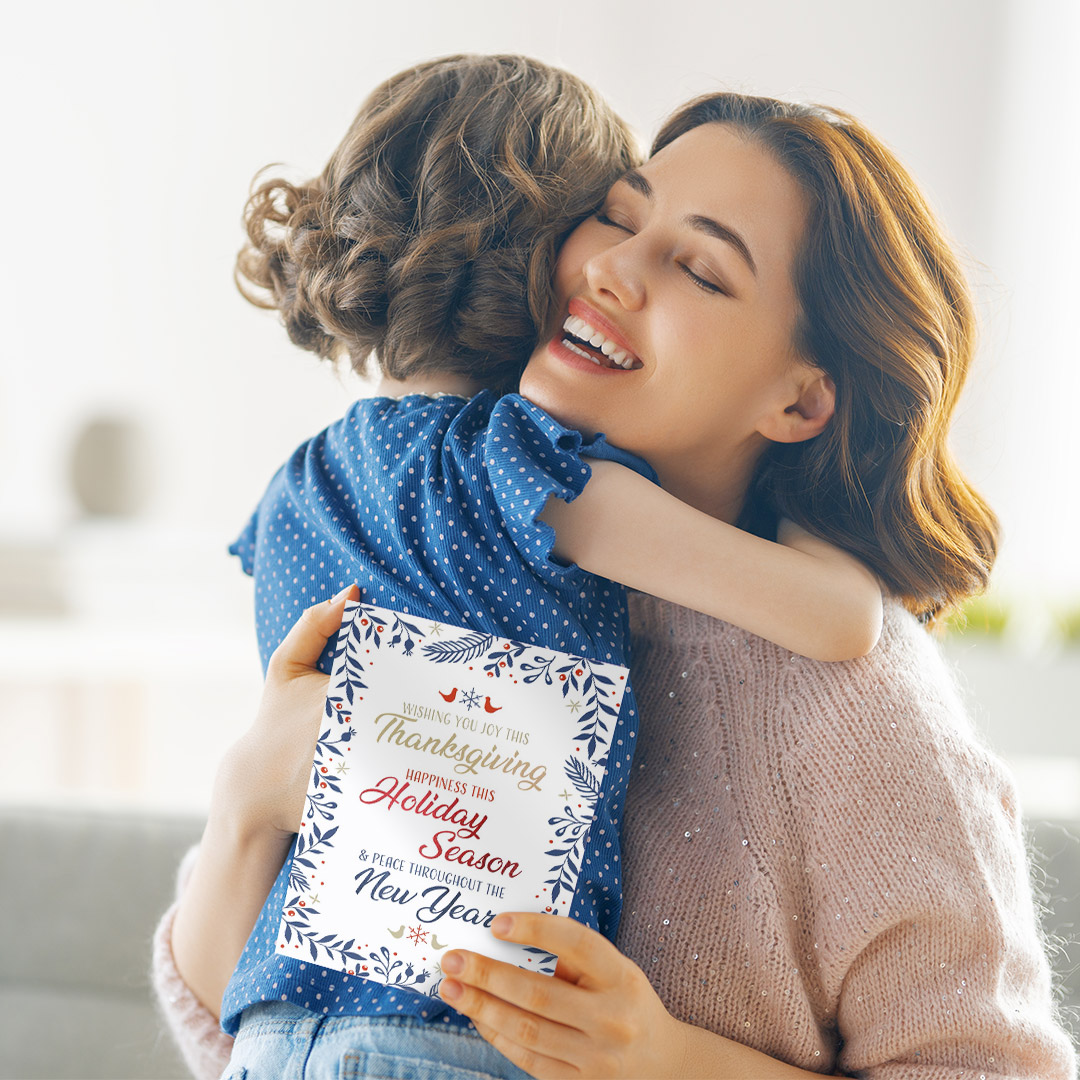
(488, 707)
(450, 696)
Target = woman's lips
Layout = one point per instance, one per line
(564, 350)
(589, 336)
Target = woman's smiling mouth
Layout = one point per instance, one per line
(584, 339)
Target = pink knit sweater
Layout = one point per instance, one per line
(820, 861)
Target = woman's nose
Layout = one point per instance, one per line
(616, 272)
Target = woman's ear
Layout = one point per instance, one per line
(807, 415)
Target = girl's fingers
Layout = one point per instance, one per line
(305, 642)
(582, 952)
(539, 1046)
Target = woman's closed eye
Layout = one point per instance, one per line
(703, 283)
(605, 220)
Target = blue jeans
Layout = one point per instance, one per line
(281, 1041)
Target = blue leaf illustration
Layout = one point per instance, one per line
(582, 779)
(464, 648)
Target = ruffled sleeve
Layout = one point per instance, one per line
(243, 547)
(530, 456)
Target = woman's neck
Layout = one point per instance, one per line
(697, 492)
(717, 485)
(429, 383)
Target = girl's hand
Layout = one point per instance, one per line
(598, 1017)
(265, 775)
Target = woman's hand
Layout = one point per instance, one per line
(265, 775)
(598, 1017)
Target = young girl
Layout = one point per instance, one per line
(430, 239)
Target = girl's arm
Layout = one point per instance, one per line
(255, 809)
(802, 593)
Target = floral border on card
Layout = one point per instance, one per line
(366, 626)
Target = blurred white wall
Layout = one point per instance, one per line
(1023, 399)
(132, 131)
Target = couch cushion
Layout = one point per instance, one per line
(52, 1033)
(82, 894)
(1055, 851)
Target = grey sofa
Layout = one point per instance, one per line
(82, 893)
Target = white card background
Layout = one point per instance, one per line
(455, 777)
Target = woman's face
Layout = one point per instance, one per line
(683, 283)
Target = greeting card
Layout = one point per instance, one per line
(456, 777)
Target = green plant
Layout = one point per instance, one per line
(985, 614)
(1067, 623)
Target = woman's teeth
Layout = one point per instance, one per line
(587, 335)
(581, 352)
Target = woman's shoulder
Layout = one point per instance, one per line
(906, 662)
(899, 707)
(902, 698)
(904, 686)
(906, 672)
(888, 737)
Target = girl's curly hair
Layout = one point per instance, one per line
(430, 237)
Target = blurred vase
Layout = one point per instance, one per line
(110, 468)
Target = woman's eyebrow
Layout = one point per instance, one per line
(698, 222)
(722, 232)
(637, 182)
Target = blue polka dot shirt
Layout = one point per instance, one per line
(429, 505)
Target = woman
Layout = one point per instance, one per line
(825, 871)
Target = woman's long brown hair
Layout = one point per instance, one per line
(430, 237)
(886, 313)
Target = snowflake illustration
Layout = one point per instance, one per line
(470, 699)
(417, 935)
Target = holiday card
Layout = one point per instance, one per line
(456, 777)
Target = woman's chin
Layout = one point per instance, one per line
(543, 389)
